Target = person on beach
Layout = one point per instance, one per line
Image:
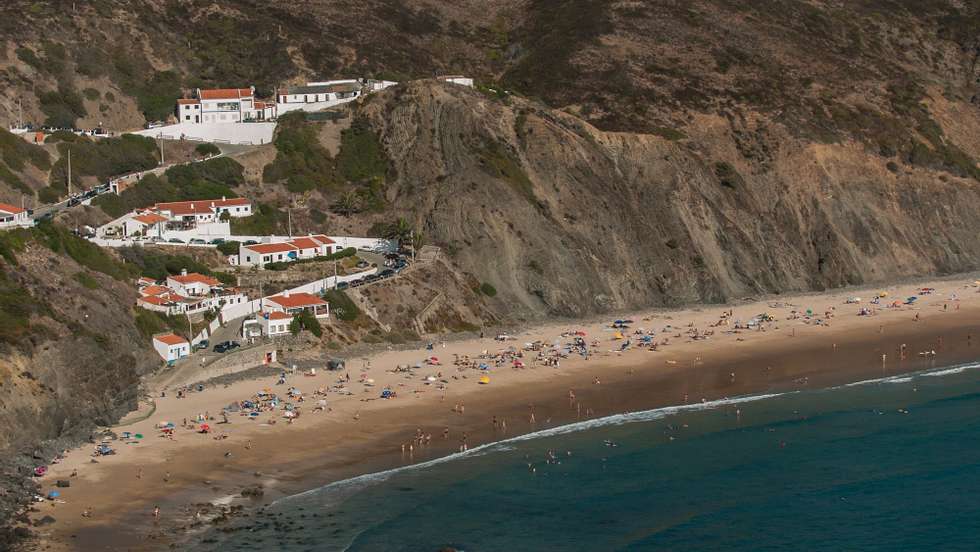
(156, 512)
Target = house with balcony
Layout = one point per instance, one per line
(224, 105)
(207, 216)
(295, 303)
(187, 293)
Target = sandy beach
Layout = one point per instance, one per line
(110, 502)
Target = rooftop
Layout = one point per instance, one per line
(266, 248)
(170, 339)
(149, 218)
(323, 88)
(195, 278)
(225, 93)
(297, 300)
(200, 206)
(10, 209)
(277, 315)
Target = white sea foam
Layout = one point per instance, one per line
(339, 490)
(905, 378)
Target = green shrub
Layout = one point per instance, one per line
(17, 153)
(16, 307)
(301, 161)
(487, 289)
(86, 280)
(158, 265)
(28, 56)
(207, 149)
(229, 248)
(341, 305)
(361, 157)
(91, 94)
(206, 180)
(59, 239)
(266, 220)
(102, 159)
(307, 321)
(62, 107)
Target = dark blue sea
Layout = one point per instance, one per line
(891, 464)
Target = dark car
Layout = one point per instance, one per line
(175, 240)
(387, 273)
(342, 285)
(226, 346)
(251, 242)
(73, 202)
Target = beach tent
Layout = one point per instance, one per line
(484, 380)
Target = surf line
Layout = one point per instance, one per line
(355, 483)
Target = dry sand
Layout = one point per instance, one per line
(362, 433)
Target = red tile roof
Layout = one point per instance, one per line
(150, 218)
(171, 339)
(297, 300)
(195, 278)
(154, 300)
(305, 243)
(201, 206)
(323, 239)
(154, 290)
(266, 248)
(226, 93)
(12, 209)
(277, 315)
(187, 101)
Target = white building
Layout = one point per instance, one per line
(457, 79)
(295, 303)
(171, 347)
(305, 247)
(187, 294)
(224, 105)
(275, 323)
(12, 216)
(204, 216)
(315, 96)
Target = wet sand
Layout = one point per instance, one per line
(320, 448)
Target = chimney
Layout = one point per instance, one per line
(285, 293)
(183, 272)
(222, 198)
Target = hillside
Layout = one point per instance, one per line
(617, 155)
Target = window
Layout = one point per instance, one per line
(187, 117)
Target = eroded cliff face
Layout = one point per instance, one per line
(565, 219)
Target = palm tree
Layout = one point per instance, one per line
(418, 240)
(348, 203)
(401, 230)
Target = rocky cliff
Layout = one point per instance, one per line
(566, 219)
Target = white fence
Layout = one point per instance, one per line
(206, 332)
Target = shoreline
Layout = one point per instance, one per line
(328, 447)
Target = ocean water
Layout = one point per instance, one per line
(890, 464)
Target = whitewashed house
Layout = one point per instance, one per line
(295, 303)
(275, 323)
(304, 247)
(171, 347)
(193, 284)
(224, 105)
(12, 216)
(156, 221)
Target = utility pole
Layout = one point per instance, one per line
(289, 220)
(160, 137)
(411, 236)
(69, 171)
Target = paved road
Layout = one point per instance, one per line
(55, 208)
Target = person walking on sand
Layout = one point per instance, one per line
(156, 511)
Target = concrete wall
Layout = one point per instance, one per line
(229, 133)
(239, 361)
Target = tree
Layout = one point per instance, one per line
(418, 240)
(207, 149)
(348, 203)
(400, 231)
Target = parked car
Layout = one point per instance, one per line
(156, 239)
(371, 278)
(217, 241)
(251, 242)
(342, 285)
(201, 345)
(198, 241)
(226, 346)
(73, 202)
(387, 273)
(175, 240)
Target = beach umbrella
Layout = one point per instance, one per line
(138, 435)
(53, 495)
(484, 380)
